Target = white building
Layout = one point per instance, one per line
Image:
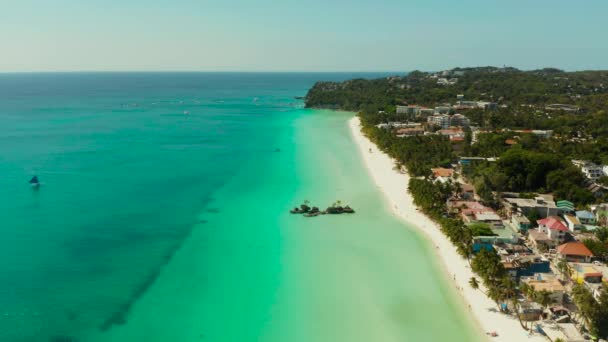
(410, 111)
(441, 120)
(459, 120)
(589, 169)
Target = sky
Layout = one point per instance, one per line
(303, 35)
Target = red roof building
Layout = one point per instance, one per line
(442, 172)
(554, 228)
(574, 252)
(553, 222)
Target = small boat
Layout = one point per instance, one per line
(34, 182)
(296, 211)
(311, 214)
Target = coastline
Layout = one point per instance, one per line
(393, 185)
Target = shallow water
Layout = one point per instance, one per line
(164, 216)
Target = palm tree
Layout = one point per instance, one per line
(517, 307)
(543, 298)
(564, 268)
(474, 283)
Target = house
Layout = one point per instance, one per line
(540, 240)
(521, 223)
(442, 172)
(475, 212)
(601, 213)
(546, 282)
(573, 223)
(454, 133)
(486, 215)
(589, 169)
(585, 273)
(468, 191)
(598, 190)
(574, 252)
(565, 206)
(525, 206)
(554, 228)
(586, 217)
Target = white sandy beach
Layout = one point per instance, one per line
(394, 186)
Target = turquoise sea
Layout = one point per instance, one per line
(163, 216)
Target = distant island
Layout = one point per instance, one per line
(512, 166)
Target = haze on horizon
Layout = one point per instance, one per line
(290, 35)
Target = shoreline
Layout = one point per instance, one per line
(393, 186)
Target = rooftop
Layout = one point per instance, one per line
(538, 236)
(545, 282)
(442, 172)
(572, 219)
(574, 248)
(487, 216)
(585, 214)
(531, 202)
(553, 223)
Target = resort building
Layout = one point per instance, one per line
(454, 133)
(441, 120)
(425, 112)
(409, 132)
(546, 282)
(574, 252)
(544, 134)
(443, 110)
(502, 236)
(442, 172)
(541, 205)
(410, 111)
(562, 107)
(459, 120)
(486, 215)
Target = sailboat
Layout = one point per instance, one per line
(34, 182)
